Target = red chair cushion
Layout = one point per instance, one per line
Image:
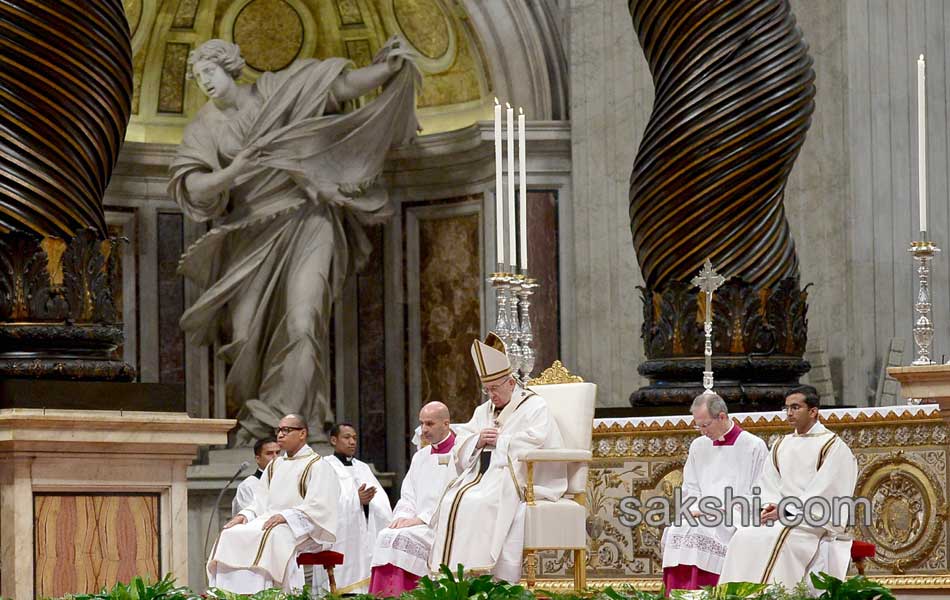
(861, 550)
(327, 558)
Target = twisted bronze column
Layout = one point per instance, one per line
(66, 92)
(734, 97)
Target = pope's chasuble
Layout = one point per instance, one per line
(358, 524)
(305, 490)
(480, 520)
(817, 464)
(734, 461)
(407, 548)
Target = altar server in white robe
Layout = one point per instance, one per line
(811, 462)
(480, 523)
(363, 512)
(402, 549)
(724, 456)
(295, 510)
(265, 450)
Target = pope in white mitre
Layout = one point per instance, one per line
(812, 462)
(723, 457)
(294, 510)
(401, 556)
(480, 523)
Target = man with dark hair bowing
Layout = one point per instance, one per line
(294, 510)
(805, 470)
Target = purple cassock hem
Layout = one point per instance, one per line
(687, 577)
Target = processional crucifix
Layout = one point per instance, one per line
(708, 281)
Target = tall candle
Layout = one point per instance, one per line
(922, 141)
(512, 231)
(522, 192)
(499, 191)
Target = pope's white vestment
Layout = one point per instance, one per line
(408, 547)
(817, 464)
(357, 530)
(710, 468)
(245, 492)
(305, 490)
(480, 521)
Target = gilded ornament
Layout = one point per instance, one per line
(556, 373)
(424, 24)
(270, 34)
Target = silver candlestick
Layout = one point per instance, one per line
(923, 252)
(515, 349)
(526, 340)
(502, 283)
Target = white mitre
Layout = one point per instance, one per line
(491, 358)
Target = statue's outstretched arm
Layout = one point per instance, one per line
(357, 82)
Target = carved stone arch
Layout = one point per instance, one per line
(531, 72)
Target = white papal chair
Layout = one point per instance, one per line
(562, 525)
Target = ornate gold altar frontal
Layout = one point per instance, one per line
(902, 461)
(274, 33)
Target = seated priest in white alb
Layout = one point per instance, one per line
(265, 450)
(724, 456)
(295, 510)
(810, 463)
(364, 511)
(402, 549)
(480, 522)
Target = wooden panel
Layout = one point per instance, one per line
(86, 542)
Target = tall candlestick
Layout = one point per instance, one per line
(522, 193)
(512, 231)
(499, 191)
(922, 141)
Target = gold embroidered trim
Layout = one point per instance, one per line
(824, 451)
(270, 471)
(778, 443)
(453, 513)
(302, 485)
(260, 549)
(775, 551)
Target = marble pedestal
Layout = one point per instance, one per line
(928, 383)
(88, 498)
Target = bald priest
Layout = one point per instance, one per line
(294, 510)
(480, 523)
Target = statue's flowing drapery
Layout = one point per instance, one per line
(282, 247)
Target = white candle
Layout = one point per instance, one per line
(512, 231)
(499, 192)
(922, 141)
(522, 192)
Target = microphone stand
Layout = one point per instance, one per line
(214, 509)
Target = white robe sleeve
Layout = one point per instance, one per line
(406, 508)
(835, 479)
(691, 488)
(244, 495)
(260, 503)
(770, 482)
(320, 506)
(466, 440)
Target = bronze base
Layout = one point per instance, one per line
(747, 384)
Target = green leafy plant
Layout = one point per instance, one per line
(856, 588)
(629, 593)
(142, 589)
(449, 586)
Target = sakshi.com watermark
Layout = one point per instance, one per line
(733, 510)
